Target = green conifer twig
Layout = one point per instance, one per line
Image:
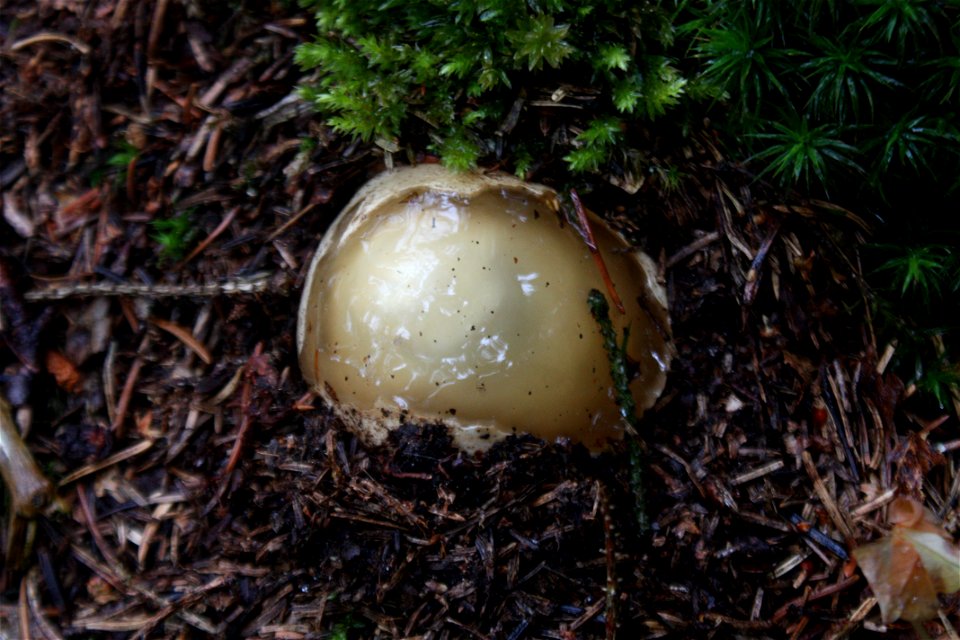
(619, 372)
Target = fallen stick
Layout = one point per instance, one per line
(30, 491)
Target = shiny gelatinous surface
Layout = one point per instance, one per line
(469, 307)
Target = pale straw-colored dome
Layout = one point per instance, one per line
(438, 297)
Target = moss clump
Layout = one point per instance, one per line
(467, 68)
(824, 91)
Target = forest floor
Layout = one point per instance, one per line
(155, 148)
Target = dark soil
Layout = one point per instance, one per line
(200, 492)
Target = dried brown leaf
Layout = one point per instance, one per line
(914, 458)
(63, 371)
(909, 567)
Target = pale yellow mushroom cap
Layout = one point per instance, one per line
(461, 299)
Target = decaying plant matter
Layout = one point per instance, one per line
(908, 567)
(206, 493)
(28, 489)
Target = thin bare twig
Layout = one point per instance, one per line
(245, 399)
(200, 248)
(126, 394)
(257, 283)
(109, 461)
(48, 36)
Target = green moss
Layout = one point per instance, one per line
(173, 235)
(384, 69)
(874, 83)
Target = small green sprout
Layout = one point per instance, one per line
(921, 270)
(173, 235)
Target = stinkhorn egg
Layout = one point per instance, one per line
(461, 299)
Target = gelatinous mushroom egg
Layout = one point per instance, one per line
(461, 299)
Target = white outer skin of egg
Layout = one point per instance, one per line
(461, 299)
